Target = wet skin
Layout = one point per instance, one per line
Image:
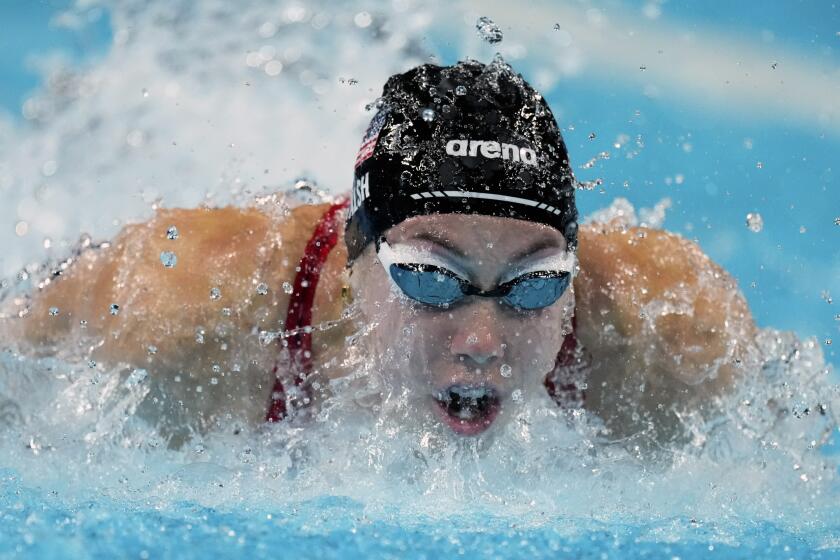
(446, 353)
(666, 328)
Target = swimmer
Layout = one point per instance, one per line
(459, 250)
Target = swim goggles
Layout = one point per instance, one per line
(423, 278)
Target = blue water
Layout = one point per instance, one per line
(715, 159)
(46, 526)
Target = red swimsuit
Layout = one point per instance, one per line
(563, 383)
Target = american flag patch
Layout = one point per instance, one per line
(371, 137)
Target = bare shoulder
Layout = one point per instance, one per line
(665, 325)
(216, 263)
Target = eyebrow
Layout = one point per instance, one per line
(442, 241)
(540, 244)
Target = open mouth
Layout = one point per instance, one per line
(467, 409)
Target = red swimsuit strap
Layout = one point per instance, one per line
(299, 315)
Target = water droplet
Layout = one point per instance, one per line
(428, 114)
(556, 27)
(169, 259)
(488, 30)
(472, 339)
(516, 396)
(506, 370)
(592, 136)
(145, 92)
(214, 381)
(461, 90)
(53, 311)
(215, 293)
(773, 65)
(216, 368)
(589, 185)
(226, 311)
(287, 288)
(759, 165)
(152, 349)
(199, 335)
(172, 233)
(828, 342)
(114, 309)
(363, 19)
(262, 288)
(137, 377)
(837, 221)
(91, 364)
(755, 222)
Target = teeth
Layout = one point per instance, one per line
(470, 392)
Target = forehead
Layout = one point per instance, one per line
(470, 233)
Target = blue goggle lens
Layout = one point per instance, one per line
(439, 287)
(429, 285)
(536, 292)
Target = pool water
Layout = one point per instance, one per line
(672, 117)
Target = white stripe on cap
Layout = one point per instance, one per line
(491, 196)
(486, 196)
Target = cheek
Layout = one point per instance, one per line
(536, 342)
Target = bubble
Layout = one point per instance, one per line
(287, 288)
(506, 370)
(428, 114)
(114, 309)
(53, 311)
(755, 222)
(273, 68)
(488, 30)
(363, 19)
(21, 228)
(152, 349)
(461, 90)
(199, 335)
(172, 233)
(759, 165)
(215, 293)
(262, 288)
(516, 396)
(168, 259)
(592, 136)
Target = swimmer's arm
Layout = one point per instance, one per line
(654, 310)
(165, 313)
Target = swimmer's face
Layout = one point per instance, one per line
(473, 364)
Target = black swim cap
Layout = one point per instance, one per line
(467, 139)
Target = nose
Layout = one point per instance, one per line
(479, 336)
